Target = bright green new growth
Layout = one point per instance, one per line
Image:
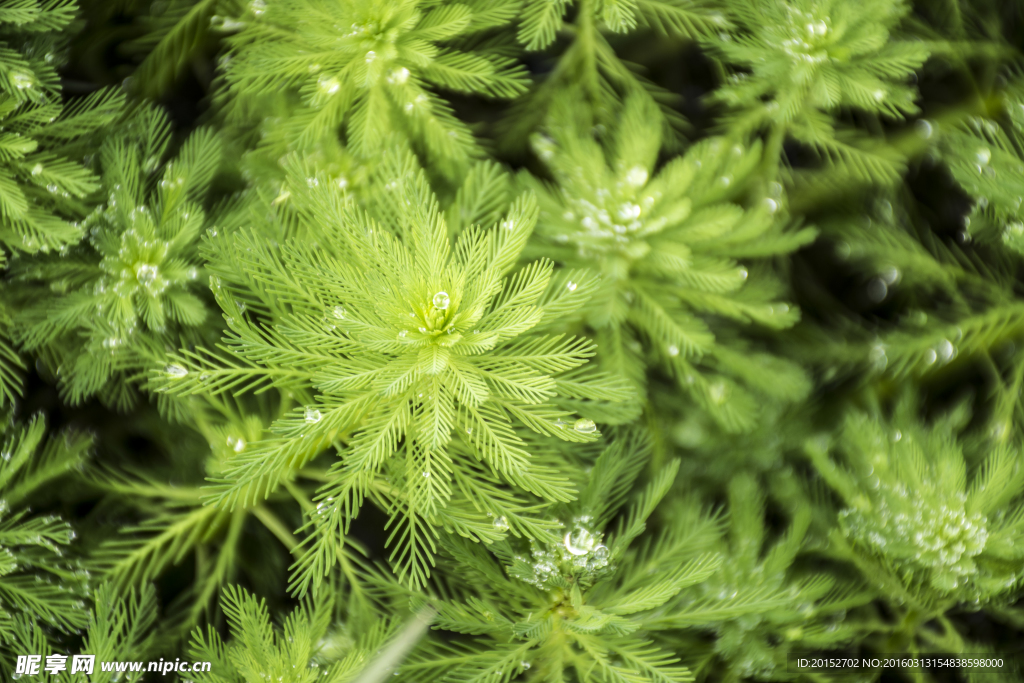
(135, 276)
(420, 353)
(667, 247)
(372, 65)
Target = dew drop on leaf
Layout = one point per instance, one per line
(313, 415)
(175, 371)
(585, 426)
(579, 542)
(441, 301)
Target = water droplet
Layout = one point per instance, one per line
(877, 289)
(673, 350)
(441, 301)
(579, 542)
(584, 426)
(175, 371)
(403, 334)
(37, 169)
(571, 286)
(21, 81)
(636, 176)
(339, 312)
(946, 350)
(629, 211)
(399, 76)
(501, 523)
(313, 415)
(983, 155)
(924, 128)
(328, 86)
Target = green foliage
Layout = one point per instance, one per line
(805, 60)
(667, 249)
(931, 535)
(119, 628)
(577, 604)
(40, 586)
(308, 646)
(420, 354)
(984, 158)
(618, 341)
(807, 609)
(135, 276)
(41, 184)
(177, 529)
(540, 20)
(374, 66)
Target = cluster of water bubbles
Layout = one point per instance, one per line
(931, 532)
(605, 219)
(809, 36)
(578, 553)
